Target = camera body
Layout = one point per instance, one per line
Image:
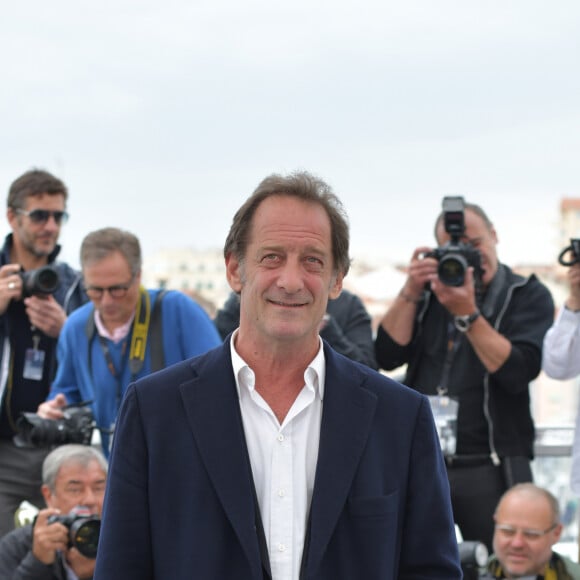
(473, 557)
(455, 257)
(84, 529)
(40, 282)
(573, 250)
(76, 426)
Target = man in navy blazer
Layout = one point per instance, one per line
(272, 456)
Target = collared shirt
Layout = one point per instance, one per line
(283, 459)
(118, 333)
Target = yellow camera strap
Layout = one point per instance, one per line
(140, 332)
(147, 321)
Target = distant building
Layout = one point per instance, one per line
(199, 273)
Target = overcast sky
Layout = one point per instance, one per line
(162, 117)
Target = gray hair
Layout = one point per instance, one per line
(70, 453)
(101, 243)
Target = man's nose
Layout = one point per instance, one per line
(106, 298)
(291, 277)
(51, 224)
(518, 539)
(90, 499)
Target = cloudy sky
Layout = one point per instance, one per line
(163, 116)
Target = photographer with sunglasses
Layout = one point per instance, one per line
(30, 324)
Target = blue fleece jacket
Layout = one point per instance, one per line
(186, 329)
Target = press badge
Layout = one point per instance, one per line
(445, 411)
(34, 361)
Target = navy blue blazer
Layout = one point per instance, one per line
(180, 505)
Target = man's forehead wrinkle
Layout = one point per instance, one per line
(277, 232)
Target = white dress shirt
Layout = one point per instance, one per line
(561, 353)
(283, 459)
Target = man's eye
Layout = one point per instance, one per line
(314, 263)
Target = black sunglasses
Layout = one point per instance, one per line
(41, 216)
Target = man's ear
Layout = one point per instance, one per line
(336, 286)
(234, 273)
(558, 532)
(11, 216)
(47, 495)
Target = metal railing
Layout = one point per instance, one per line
(551, 468)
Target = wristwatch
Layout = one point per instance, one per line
(463, 323)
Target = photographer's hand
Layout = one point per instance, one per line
(421, 270)
(458, 300)
(52, 409)
(46, 314)
(398, 321)
(10, 285)
(48, 538)
(573, 300)
(491, 347)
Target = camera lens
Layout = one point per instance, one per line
(45, 280)
(84, 534)
(451, 270)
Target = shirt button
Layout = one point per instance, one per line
(281, 548)
(280, 437)
(281, 493)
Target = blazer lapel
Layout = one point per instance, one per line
(347, 416)
(212, 408)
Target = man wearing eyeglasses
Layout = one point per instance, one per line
(30, 323)
(115, 340)
(527, 525)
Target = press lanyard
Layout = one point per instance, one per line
(452, 346)
(138, 343)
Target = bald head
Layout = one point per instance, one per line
(526, 527)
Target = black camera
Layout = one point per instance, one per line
(42, 281)
(84, 528)
(473, 558)
(76, 426)
(455, 256)
(573, 250)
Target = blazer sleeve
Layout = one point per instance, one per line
(429, 544)
(125, 509)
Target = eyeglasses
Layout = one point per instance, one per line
(509, 532)
(117, 291)
(41, 216)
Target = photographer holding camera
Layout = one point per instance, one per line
(473, 344)
(36, 295)
(61, 542)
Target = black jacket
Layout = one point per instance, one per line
(494, 408)
(18, 563)
(70, 295)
